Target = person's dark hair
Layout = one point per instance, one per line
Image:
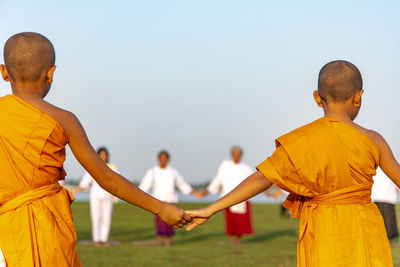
(163, 152)
(338, 81)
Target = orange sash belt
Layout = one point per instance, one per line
(358, 194)
(30, 196)
(301, 206)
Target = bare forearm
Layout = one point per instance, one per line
(393, 172)
(387, 161)
(115, 183)
(390, 166)
(122, 188)
(253, 185)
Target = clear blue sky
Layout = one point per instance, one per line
(195, 77)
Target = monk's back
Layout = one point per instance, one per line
(32, 148)
(330, 155)
(327, 166)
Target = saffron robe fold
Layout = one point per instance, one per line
(327, 166)
(36, 227)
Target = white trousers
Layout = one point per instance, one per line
(101, 212)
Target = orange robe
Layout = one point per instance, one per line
(327, 166)
(36, 227)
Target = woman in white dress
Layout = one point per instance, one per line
(101, 203)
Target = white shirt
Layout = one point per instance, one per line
(162, 182)
(229, 176)
(95, 189)
(383, 189)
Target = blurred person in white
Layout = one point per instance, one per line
(161, 181)
(101, 202)
(384, 194)
(230, 174)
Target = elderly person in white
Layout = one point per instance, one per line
(230, 174)
(384, 194)
(101, 203)
(161, 181)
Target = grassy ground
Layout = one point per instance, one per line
(273, 244)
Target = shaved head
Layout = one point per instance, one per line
(338, 81)
(28, 55)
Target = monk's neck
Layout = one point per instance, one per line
(338, 112)
(339, 116)
(29, 91)
(28, 97)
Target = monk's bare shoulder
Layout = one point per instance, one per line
(375, 137)
(65, 118)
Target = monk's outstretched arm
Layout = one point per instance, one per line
(387, 161)
(253, 185)
(112, 181)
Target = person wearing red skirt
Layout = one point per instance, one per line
(238, 224)
(231, 173)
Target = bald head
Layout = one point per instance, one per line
(338, 81)
(28, 55)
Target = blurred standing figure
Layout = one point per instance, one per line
(161, 181)
(384, 195)
(101, 203)
(230, 174)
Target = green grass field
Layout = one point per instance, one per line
(273, 244)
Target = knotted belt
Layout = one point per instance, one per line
(301, 206)
(30, 196)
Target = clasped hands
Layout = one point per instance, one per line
(178, 218)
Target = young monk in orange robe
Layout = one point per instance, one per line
(36, 227)
(327, 166)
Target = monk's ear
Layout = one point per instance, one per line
(357, 98)
(317, 98)
(50, 74)
(4, 73)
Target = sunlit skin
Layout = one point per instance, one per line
(345, 111)
(104, 156)
(33, 93)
